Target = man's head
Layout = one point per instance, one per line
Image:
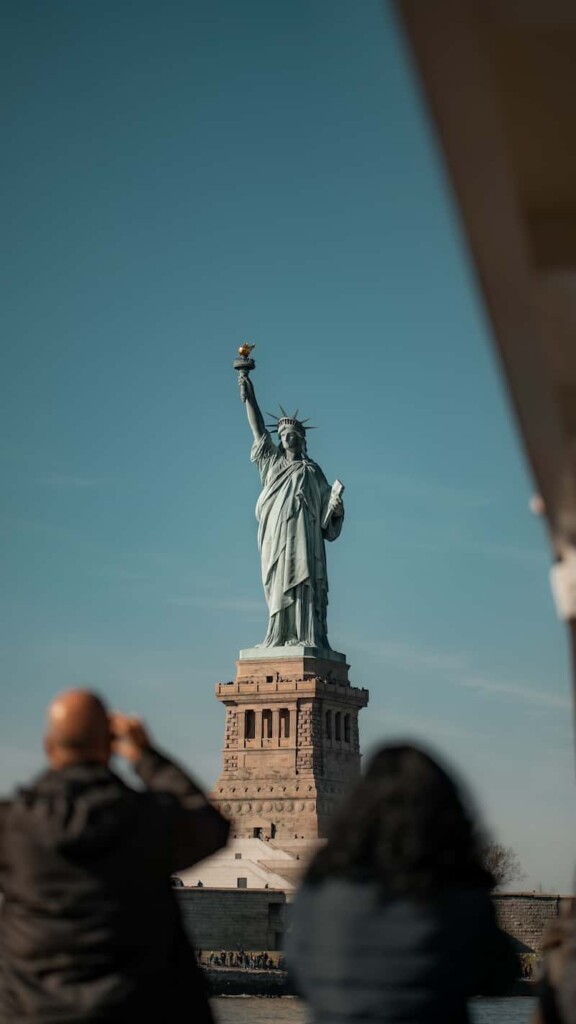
(77, 730)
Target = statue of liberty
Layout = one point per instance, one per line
(297, 511)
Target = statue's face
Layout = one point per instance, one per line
(291, 440)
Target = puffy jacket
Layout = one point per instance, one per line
(89, 928)
(356, 955)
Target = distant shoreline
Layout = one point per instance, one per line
(247, 981)
(242, 981)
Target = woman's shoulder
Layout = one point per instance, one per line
(364, 912)
(338, 897)
(363, 895)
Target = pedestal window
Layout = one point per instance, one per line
(284, 724)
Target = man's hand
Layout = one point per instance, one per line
(129, 737)
(336, 507)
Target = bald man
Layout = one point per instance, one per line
(89, 930)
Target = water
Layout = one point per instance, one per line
(288, 1010)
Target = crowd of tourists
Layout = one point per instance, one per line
(393, 922)
(239, 959)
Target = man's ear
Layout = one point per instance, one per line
(48, 744)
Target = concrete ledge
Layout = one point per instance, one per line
(230, 981)
(288, 651)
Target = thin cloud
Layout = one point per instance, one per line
(74, 481)
(458, 671)
(35, 526)
(424, 724)
(494, 688)
(428, 490)
(408, 657)
(483, 549)
(241, 605)
(510, 551)
(120, 575)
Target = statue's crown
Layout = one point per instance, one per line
(288, 421)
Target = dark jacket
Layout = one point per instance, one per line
(89, 928)
(355, 955)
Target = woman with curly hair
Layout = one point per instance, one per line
(394, 921)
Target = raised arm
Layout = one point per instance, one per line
(188, 827)
(192, 828)
(255, 418)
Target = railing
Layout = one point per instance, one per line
(286, 685)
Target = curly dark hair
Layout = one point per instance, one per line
(405, 826)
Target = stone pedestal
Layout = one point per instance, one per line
(291, 746)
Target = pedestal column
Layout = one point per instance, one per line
(291, 785)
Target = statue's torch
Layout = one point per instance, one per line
(244, 363)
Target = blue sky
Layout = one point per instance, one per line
(181, 177)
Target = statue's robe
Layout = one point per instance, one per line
(290, 511)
